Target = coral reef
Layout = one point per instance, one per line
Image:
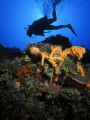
(58, 55)
(46, 82)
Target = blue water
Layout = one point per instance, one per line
(17, 14)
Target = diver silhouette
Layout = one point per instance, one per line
(38, 26)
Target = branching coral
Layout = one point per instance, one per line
(80, 70)
(43, 56)
(77, 51)
(55, 51)
(58, 55)
(74, 51)
(51, 61)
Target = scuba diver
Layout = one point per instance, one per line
(38, 26)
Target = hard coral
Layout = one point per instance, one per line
(80, 70)
(43, 56)
(56, 51)
(77, 51)
(58, 55)
(34, 50)
(74, 51)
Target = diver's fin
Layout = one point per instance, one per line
(71, 28)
